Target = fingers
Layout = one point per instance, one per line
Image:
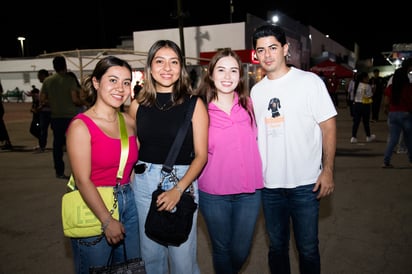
(167, 201)
(114, 232)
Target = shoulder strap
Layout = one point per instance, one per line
(124, 140)
(177, 143)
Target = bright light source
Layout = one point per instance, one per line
(21, 39)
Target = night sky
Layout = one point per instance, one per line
(100, 24)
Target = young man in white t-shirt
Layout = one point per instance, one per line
(297, 146)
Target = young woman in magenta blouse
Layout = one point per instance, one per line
(230, 183)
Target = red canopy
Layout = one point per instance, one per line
(329, 67)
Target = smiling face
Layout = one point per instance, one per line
(226, 74)
(115, 86)
(165, 69)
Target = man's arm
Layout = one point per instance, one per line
(325, 182)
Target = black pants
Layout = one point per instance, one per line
(59, 127)
(44, 120)
(361, 112)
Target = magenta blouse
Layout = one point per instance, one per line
(234, 164)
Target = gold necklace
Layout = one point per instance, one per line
(100, 117)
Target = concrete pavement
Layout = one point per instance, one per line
(365, 226)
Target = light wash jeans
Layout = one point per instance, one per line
(231, 221)
(98, 254)
(299, 205)
(158, 258)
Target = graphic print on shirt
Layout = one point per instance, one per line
(274, 106)
(274, 120)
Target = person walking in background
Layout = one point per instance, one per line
(35, 121)
(401, 147)
(230, 201)
(59, 91)
(44, 114)
(398, 106)
(93, 146)
(159, 110)
(4, 134)
(378, 85)
(362, 107)
(297, 148)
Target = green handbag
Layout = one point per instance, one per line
(77, 218)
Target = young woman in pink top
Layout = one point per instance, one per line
(229, 186)
(94, 149)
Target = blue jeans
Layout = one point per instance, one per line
(86, 255)
(398, 122)
(280, 206)
(158, 258)
(231, 221)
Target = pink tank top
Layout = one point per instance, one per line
(105, 153)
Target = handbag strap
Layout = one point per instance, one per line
(178, 141)
(124, 141)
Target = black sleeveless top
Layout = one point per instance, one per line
(157, 128)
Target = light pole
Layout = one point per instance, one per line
(21, 39)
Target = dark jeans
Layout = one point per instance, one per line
(59, 127)
(231, 221)
(44, 120)
(280, 206)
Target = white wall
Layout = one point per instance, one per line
(197, 39)
(22, 73)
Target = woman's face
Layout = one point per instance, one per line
(226, 74)
(165, 69)
(115, 86)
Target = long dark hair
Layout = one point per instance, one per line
(360, 77)
(399, 81)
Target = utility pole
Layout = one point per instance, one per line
(232, 9)
(180, 16)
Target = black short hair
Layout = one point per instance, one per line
(59, 63)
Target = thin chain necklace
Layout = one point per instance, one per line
(100, 117)
(165, 106)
